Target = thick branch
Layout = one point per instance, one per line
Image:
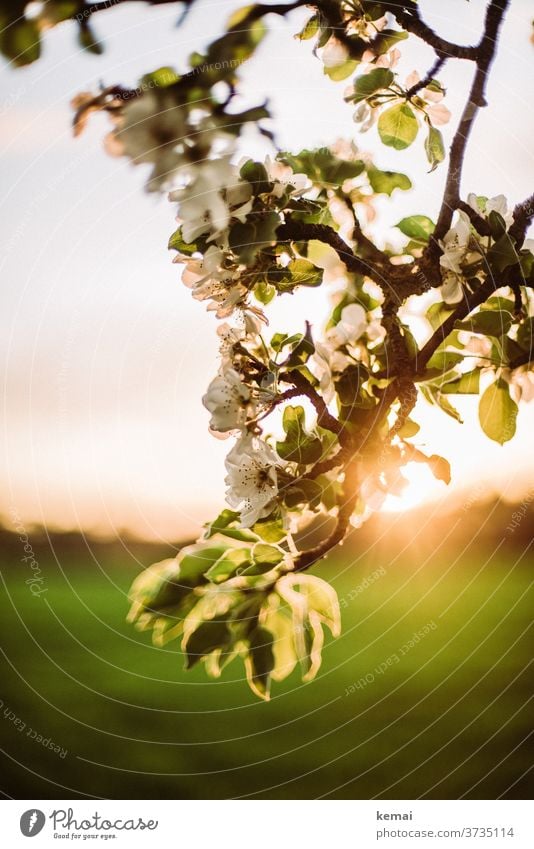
(470, 301)
(378, 267)
(523, 214)
(324, 416)
(350, 494)
(479, 223)
(485, 53)
(409, 18)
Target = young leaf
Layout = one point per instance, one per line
(299, 446)
(260, 662)
(367, 84)
(440, 468)
(209, 636)
(434, 148)
(418, 227)
(384, 182)
(495, 323)
(397, 126)
(467, 384)
(497, 412)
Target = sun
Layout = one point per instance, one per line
(422, 486)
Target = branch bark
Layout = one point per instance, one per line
(485, 53)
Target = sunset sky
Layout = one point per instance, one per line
(105, 354)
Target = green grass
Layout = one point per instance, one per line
(449, 718)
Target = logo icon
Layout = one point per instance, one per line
(32, 822)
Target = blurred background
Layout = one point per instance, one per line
(107, 465)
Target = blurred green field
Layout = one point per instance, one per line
(450, 718)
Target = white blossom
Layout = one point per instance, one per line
(351, 326)
(334, 53)
(365, 116)
(284, 177)
(484, 206)
(251, 480)
(208, 278)
(229, 401)
(201, 207)
(455, 244)
(151, 130)
(521, 381)
(451, 290)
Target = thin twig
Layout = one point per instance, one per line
(434, 70)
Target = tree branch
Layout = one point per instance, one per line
(324, 416)
(470, 301)
(378, 267)
(350, 494)
(479, 223)
(429, 76)
(485, 53)
(409, 18)
(523, 214)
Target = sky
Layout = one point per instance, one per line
(105, 355)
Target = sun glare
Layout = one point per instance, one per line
(422, 486)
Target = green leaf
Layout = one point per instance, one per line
(88, 41)
(256, 174)
(223, 525)
(269, 554)
(502, 254)
(384, 182)
(436, 397)
(260, 662)
(397, 126)
(488, 322)
(342, 71)
(434, 148)
(176, 243)
(161, 77)
(467, 384)
(321, 597)
(264, 292)
(497, 224)
(270, 530)
(310, 28)
(443, 360)
(20, 41)
(372, 82)
(440, 468)
(303, 348)
(386, 39)
(409, 429)
(304, 273)
(209, 636)
(438, 313)
(233, 561)
(418, 227)
(195, 560)
(497, 412)
(299, 446)
(322, 166)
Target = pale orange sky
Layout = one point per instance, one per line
(105, 353)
